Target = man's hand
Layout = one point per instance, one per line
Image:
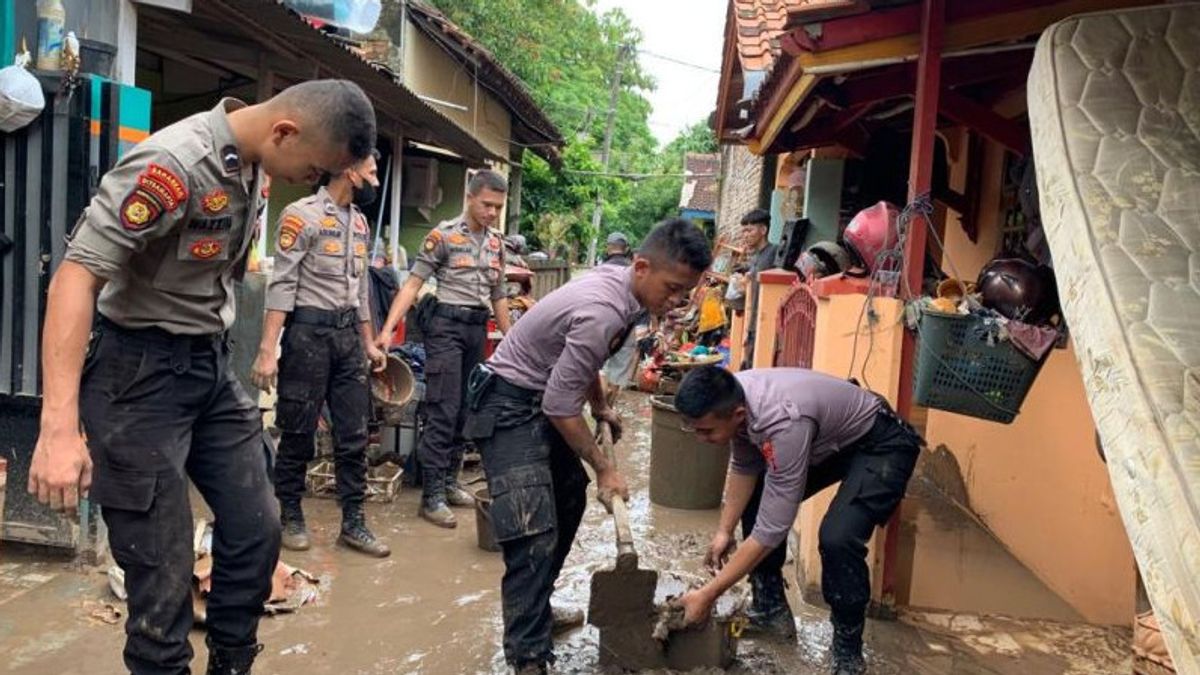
(377, 358)
(265, 371)
(384, 337)
(61, 469)
(697, 606)
(614, 421)
(719, 549)
(611, 483)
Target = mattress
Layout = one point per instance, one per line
(1114, 105)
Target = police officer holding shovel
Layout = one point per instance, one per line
(319, 291)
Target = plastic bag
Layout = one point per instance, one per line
(360, 16)
(21, 98)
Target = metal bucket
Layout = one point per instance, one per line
(391, 390)
(684, 473)
(484, 535)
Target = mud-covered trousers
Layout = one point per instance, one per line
(539, 492)
(874, 473)
(322, 360)
(159, 409)
(454, 345)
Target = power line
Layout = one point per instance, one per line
(639, 176)
(680, 62)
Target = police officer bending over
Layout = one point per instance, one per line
(527, 414)
(319, 290)
(467, 257)
(161, 244)
(804, 431)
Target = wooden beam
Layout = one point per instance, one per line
(984, 120)
(780, 107)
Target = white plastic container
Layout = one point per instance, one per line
(52, 18)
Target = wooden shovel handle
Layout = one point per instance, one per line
(627, 557)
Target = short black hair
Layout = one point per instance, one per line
(677, 240)
(708, 389)
(339, 107)
(487, 180)
(757, 217)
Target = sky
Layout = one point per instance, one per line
(691, 31)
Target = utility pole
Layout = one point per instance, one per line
(598, 210)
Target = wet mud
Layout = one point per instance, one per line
(434, 606)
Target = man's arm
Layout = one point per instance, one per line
(61, 468)
(578, 435)
(500, 308)
(376, 356)
(291, 246)
(400, 306)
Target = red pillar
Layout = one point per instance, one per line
(920, 178)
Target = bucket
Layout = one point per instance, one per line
(391, 390)
(684, 473)
(483, 522)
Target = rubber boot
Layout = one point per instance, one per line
(231, 660)
(295, 533)
(455, 494)
(770, 615)
(433, 499)
(356, 535)
(847, 647)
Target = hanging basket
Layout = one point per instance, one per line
(958, 371)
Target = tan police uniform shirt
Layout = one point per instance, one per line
(320, 257)
(170, 226)
(469, 267)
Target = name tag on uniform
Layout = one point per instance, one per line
(211, 224)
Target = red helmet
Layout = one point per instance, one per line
(871, 232)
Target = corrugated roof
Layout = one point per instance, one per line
(701, 188)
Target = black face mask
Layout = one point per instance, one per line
(364, 196)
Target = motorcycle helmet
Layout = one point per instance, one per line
(1018, 290)
(822, 259)
(872, 231)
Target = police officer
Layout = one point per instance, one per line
(616, 250)
(161, 244)
(527, 414)
(319, 290)
(467, 257)
(803, 431)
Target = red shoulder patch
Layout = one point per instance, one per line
(161, 182)
(289, 232)
(139, 210)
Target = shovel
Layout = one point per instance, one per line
(622, 599)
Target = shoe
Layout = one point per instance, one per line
(356, 535)
(847, 648)
(532, 669)
(565, 618)
(455, 494)
(231, 660)
(295, 533)
(433, 500)
(769, 615)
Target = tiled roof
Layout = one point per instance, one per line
(701, 188)
(761, 22)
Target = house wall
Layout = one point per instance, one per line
(1038, 484)
(430, 71)
(741, 186)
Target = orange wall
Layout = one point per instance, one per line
(1039, 484)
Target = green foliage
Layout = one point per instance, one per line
(566, 54)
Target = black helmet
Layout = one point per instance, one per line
(1018, 289)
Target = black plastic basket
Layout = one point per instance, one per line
(959, 372)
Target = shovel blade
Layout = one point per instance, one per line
(621, 596)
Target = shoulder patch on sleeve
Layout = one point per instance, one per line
(431, 241)
(289, 231)
(140, 210)
(170, 190)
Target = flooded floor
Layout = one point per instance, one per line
(434, 606)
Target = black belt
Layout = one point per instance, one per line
(462, 314)
(505, 388)
(209, 342)
(330, 318)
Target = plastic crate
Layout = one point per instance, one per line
(959, 372)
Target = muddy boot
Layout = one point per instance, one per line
(433, 500)
(531, 669)
(455, 494)
(357, 536)
(847, 648)
(565, 618)
(295, 534)
(231, 660)
(769, 614)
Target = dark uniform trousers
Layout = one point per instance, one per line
(322, 361)
(874, 473)
(539, 492)
(159, 409)
(454, 345)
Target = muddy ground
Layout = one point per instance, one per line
(434, 606)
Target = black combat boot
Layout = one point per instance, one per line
(433, 499)
(456, 495)
(231, 660)
(848, 647)
(356, 535)
(532, 668)
(769, 614)
(295, 534)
